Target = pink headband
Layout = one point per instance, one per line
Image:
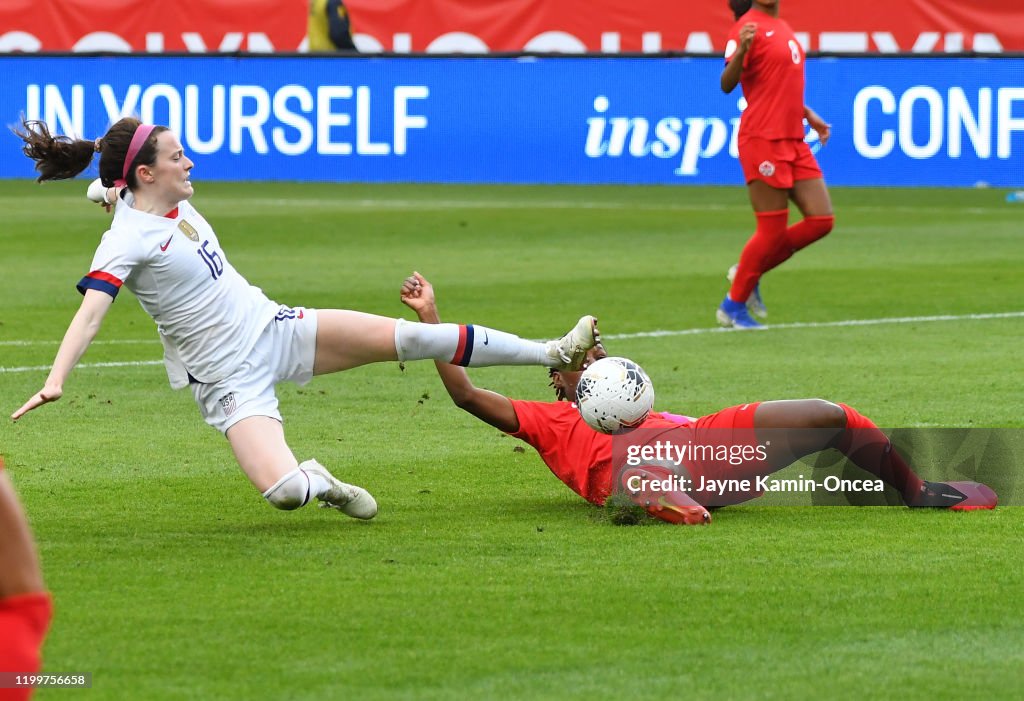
(142, 133)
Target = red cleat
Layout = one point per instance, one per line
(655, 489)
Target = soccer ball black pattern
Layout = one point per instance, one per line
(614, 395)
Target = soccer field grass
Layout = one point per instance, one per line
(483, 576)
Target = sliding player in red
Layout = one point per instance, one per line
(763, 56)
(582, 458)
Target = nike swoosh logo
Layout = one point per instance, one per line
(662, 501)
(485, 337)
(163, 246)
(768, 34)
(300, 315)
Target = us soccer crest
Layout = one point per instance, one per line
(188, 230)
(227, 404)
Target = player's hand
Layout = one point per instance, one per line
(418, 294)
(747, 33)
(110, 198)
(103, 196)
(43, 396)
(824, 132)
(823, 128)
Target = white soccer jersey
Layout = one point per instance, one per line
(208, 315)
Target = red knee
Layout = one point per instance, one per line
(806, 232)
(818, 227)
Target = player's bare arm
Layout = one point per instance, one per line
(495, 409)
(818, 124)
(19, 563)
(733, 69)
(82, 330)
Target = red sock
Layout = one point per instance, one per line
(763, 247)
(870, 449)
(800, 235)
(806, 232)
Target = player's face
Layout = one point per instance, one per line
(172, 168)
(766, 4)
(567, 381)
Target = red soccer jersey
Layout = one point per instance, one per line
(23, 623)
(772, 79)
(577, 454)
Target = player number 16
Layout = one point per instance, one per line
(212, 259)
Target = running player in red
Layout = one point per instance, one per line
(25, 608)
(763, 56)
(583, 459)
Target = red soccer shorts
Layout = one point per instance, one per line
(718, 457)
(736, 453)
(777, 162)
(741, 417)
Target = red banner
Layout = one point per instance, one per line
(484, 26)
(196, 26)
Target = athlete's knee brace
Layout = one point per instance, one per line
(291, 491)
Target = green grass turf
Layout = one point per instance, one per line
(483, 577)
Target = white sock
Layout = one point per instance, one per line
(317, 484)
(469, 345)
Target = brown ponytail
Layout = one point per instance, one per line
(56, 157)
(60, 157)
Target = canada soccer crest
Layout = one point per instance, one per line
(767, 169)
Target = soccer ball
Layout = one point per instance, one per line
(614, 395)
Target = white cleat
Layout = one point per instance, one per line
(755, 303)
(347, 498)
(570, 351)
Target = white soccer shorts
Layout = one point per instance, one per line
(284, 352)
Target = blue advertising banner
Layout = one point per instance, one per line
(944, 121)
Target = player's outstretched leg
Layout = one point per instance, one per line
(865, 444)
(347, 339)
(477, 346)
(806, 426)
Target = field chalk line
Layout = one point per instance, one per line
(610, 337)
(821, 325)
